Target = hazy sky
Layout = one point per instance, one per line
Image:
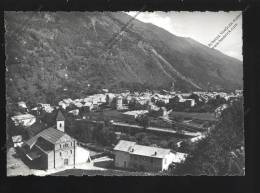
(203, 27)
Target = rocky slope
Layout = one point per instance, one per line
(50, 54)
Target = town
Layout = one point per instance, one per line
(118, 132)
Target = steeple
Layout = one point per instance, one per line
(60, 121)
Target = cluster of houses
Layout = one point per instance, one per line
(43, 107)
(133, 101)
(51, 147)
(205, 96)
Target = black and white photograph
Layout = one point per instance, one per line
(126, 93)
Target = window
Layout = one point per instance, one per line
(70, 151)
(60, 124)
(66, 162)
(60, 154)
(60, 146)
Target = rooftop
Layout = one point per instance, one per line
(135, 149)
(51, 135)
(126, 125)
(23, 116)
(124, 145)
(137, 112)
(149, 151)
(60, 116)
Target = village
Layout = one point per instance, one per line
(127, 132)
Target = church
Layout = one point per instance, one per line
(52, 148)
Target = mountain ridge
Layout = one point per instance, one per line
(58, 54)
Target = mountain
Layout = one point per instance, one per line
(58, 54)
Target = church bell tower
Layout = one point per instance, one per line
(60, 122)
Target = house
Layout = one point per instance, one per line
(119, 103)
(130, 155)
(51, 148)
(179, 102)
(17, 140)
(24, 119)
(22, 104)
(132, 115)
(25, 131)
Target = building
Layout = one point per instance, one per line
(60, 121)
(163, 112)
(132, 115)
(24, 120)
(119, 103)
(51, 148)
(26, 132)
(130, 155)
(179, 102)
(109, 98)
(151, 106)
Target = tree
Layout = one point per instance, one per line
(140, 136)
(172, 144)
(132, 105)
(187, 146)
(145, 141)
(163, 144)
(220, 153)
(143, 120)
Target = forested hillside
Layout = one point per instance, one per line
(52, 55)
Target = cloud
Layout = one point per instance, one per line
(200, 26)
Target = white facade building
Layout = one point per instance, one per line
(130, 155)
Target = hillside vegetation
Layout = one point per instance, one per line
(223, 151)
(52, 55)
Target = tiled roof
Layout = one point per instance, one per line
(133, 148)
(44, 145)
(124, 145)
(60, 116)
(33, 154)
(36, 128)
(149, 151)
(51, 134)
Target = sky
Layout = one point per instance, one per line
(203, 27)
